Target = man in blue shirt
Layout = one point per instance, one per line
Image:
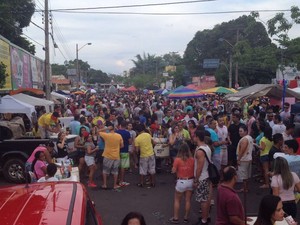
(124, 154)
(212, 125)
(73, 124)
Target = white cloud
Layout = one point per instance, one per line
(117, 39)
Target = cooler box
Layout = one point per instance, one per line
(161, 148)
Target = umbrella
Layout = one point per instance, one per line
(78, 93)
(219, 90)
(184, 93)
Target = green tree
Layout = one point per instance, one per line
(3, 74)
(280, 25)
(59, 69)
(245, 39)
(14, 16)
(97, 76)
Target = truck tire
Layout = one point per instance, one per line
(13, 170)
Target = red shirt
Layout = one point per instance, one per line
(298, 140)
(184, 169)
(228, 204)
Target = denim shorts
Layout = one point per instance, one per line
(264, 158)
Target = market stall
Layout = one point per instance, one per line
(9, 104)
(34, 101)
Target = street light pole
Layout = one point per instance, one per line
(77, 64)
(230, 62)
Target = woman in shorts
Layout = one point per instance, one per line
(183, 166)
(89, 159)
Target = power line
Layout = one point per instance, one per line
(61, 38)
(176, 14)
(133, 6)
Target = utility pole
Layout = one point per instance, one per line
(237, 63)
(77, 66)
(230, 71)
(47, 53)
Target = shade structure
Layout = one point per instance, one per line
(132, 88)
(184, 93)
(9, 104)
(219, 90)
(30, 91)
(34, 101)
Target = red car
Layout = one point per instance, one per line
(48, 203)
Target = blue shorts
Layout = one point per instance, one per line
(264, 158)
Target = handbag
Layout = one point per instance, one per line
(213, 173)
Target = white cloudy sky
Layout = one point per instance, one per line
(117, 39)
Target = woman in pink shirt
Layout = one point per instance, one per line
(183, 166)
(39, 166)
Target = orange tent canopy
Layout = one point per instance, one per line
(29, 91)
(132, 88)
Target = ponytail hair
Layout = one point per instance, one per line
(36, 158)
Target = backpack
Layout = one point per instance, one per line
(213, 172)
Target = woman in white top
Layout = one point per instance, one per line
(244, 156)
(283, 184)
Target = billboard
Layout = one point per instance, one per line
(211, 63)
(5, 59)
(20, 68)
(37, 72)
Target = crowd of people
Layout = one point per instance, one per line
(121, 130)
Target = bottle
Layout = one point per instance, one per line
(67, 168)
(290, 220)
(62, 170)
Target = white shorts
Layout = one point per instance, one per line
(184, 185)
(244, 170)
(89, 160)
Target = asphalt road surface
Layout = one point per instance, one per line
(156, 204)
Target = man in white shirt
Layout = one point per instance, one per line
(285, 114)
(278, 127)
(289, 131)
(222, 132)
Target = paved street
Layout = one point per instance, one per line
(156, 204)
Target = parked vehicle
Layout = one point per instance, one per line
(50, 203)
(15, 148)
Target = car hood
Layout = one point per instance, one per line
(40, 203)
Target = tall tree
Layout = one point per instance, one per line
(245, 39)
(14, 16)
(280, 25)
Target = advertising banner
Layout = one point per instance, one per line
(20, 69)
(5, 59)
(38, 72)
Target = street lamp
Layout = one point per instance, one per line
(77, 65)
(236, 66)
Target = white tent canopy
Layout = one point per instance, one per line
(9, 104)
(58, 96)
(34, 101)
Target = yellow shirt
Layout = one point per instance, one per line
(112, 145)
(45, 120)
(143, 141)
(268, 144)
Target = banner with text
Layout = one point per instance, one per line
(20, 69)
(37, 71)
(5, 59)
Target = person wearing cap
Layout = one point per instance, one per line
(48, 123)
